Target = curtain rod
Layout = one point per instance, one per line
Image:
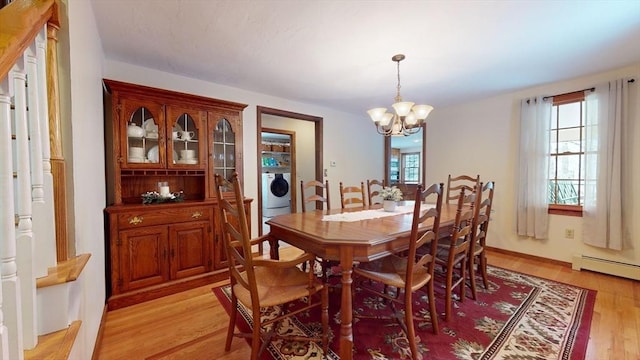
(589, 89)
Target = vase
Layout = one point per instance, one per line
(389, 205)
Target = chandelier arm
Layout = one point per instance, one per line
(380, 129)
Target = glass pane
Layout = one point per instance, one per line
(185, 140)
(142, 135)
(568, 167)
(567, 193)
(552, 166)
(229, 156)
(569, 140)
(552, 192)
(569, 115)
(218, 156)
(186, 128)
(223, 132)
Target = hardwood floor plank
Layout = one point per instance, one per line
(193, 325)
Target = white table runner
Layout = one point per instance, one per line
(372, 214)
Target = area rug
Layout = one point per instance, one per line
(519, 317)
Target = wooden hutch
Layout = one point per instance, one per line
(169, 146)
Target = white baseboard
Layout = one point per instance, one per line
(629, 271)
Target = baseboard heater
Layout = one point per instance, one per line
(616, 268)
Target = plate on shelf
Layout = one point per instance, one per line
(188, 161)
(153, 154)
(150, 127)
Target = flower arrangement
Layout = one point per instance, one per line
(153, 197)
(391, 193)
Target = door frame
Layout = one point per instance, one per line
(317, 120)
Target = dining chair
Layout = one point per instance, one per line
(373, 191)
(452, 252)
(260, 283)
(320, 194)
(477, 254)
(405, 270)
(352, 196)
(457, 183)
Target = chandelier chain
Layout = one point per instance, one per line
(398, 97)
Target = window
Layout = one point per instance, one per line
(566, 166)
(411, 168)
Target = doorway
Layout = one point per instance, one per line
(303, 164)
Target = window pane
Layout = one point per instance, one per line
(567, 193)
(411, 162)
(569, 115)
(569, 140)
(568, 167)
(552, 191)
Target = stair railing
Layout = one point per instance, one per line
(27, 212)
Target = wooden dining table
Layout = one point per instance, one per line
(349, 242)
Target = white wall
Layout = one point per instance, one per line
(357, 157)
(85, 157)
(481, 138)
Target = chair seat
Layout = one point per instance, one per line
(391, 270)
(277, 286)
(478, 250)
(442, 255)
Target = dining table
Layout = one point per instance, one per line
(350, 236)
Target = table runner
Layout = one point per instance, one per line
(374, 213)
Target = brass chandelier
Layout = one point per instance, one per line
(407, 118)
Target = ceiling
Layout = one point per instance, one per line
(338, 53)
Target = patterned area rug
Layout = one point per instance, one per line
(519, 317)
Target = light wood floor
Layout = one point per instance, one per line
(192, 325)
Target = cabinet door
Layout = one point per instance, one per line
(225, 145)
(190, 249)
(143, 258)
(186, 136)
(141, 123)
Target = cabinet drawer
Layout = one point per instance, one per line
(164, 216)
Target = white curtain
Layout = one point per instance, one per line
(532, 203)
(606, 121)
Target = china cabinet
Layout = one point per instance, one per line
(165, 147)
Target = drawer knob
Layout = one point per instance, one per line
(196, 215)
(136, 220)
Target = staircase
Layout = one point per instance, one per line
(39, 296)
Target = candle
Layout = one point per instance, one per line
(163, 189)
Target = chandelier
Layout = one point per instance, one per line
(407, 119)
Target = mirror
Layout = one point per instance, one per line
(405, 161)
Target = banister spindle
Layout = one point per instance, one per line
(7, 211)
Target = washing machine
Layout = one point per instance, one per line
(276, 194)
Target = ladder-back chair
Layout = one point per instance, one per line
(258, 283)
